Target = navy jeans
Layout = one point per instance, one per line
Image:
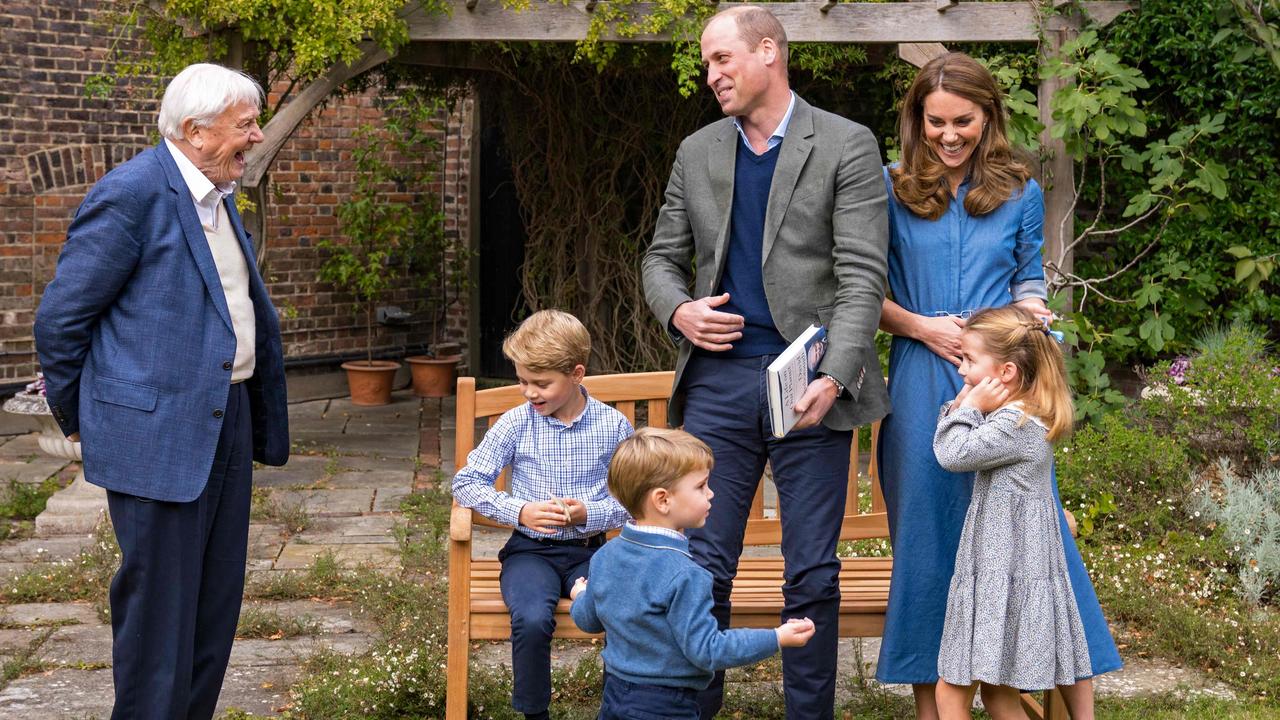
(633, 701)
(534, 577)
(728, 408)
(175, 600)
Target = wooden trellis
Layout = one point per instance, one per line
(919, 28)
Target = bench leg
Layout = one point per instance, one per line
(459, 651)
(1054, 708)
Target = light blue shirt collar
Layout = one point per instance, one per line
(776, 138)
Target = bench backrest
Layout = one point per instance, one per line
(645, 395)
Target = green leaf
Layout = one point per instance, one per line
(1239, 251)
(1245, 268)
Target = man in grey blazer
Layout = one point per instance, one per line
(781, 208)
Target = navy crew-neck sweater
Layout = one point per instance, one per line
(743, 275)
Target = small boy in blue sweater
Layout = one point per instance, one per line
(558, 446)
(652, 599)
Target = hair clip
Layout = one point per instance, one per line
(1055, 334)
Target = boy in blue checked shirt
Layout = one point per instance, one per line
(649, 595)
(558, 445)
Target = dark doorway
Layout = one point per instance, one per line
(502, 240)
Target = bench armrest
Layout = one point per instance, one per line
(460, 524)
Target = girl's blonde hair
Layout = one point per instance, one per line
(1012, 334)
(920, 179)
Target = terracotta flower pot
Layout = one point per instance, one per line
(434, 376)
(370, 384)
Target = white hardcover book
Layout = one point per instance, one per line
(790, 374)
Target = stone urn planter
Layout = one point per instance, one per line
(370, 382)
(434, 376)
(77, 508)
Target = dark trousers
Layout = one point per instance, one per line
(728, 409)
(533, 579)
(633, 701)
(175, 600)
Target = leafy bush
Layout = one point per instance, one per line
(1248, 511)
(1124, 467)
(1224, 400)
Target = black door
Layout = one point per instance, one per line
(502, 239)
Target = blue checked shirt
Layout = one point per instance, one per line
(547, 457)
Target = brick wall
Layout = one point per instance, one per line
(55, 142)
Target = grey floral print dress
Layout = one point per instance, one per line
(1011, 615)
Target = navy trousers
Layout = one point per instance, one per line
(728, 409)
(533, 579)
(625, 700)
(175, 600)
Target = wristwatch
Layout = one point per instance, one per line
(839, 385)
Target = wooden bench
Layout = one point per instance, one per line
(476, 609)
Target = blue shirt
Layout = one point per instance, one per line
(547, 457)
(960, 262)
(654, 602)
(778, 134)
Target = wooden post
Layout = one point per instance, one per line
(1057, 175)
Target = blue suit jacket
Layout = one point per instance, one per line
(135, 339)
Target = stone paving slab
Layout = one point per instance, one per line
(348, 527)
(300, 471)
(325, 502)
(265, 541)
(45, 549)
(351, 479)
(33, 471)
(21, 448)
(388, 499)
(329, 618)
(48, 614)
(15, 640)
(70, 694)
(257, 653)
(78, 645)
(297, 556)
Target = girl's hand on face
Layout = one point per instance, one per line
(987, 395)
(942, 336)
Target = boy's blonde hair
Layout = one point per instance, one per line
(549, 340)
(654, 458)
(1012, 334)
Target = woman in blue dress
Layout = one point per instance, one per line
(966, 231)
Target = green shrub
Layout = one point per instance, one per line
(1248, 511)
(1224, 400)
(1120, 468)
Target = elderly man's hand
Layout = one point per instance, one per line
(707, 327)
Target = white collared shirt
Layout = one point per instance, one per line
(778, 134)
(204, 194)
(657, 530)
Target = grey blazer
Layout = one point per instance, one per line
(826, 237)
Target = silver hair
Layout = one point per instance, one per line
(202, 92)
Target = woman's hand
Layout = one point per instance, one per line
(941, 335)
(1036, 306)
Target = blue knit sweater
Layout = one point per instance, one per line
(654, 602)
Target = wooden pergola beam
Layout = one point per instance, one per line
(282, 125)
(853, 22)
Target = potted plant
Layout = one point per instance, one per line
(392, 222)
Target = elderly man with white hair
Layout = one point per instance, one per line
(161, 353)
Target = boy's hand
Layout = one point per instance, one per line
(795, 632)
(577, 511)
(544, 517)
(987, 395)
(579, 587)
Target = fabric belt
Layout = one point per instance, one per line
(590, 541)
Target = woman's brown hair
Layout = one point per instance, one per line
(920, 179)
(1012, 334)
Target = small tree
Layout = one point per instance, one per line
(393, 221)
